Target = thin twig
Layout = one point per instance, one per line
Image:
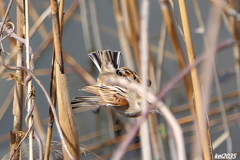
(6, 14)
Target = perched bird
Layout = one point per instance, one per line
(120, 99)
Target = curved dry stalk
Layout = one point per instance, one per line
(164, 111)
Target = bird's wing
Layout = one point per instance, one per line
(111, 95)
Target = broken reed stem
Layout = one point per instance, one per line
(201, 116)
(66, 116)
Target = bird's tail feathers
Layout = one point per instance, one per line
(85, 101)
(100, 58)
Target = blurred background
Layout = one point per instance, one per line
(96, 25)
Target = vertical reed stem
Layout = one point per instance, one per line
(201, 116)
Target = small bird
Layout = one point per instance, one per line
(120, 99)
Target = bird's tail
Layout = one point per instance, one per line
(100, 58)
(85, 101)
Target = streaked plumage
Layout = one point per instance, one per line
(123, 100)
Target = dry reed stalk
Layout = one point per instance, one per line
(168, 17)
(172, 148)
(40, 72)
(29, 82)
(18, 88)
(222, 109)
(125, 46)
(39, 124)
(80, 70)
(236, 48)
(161, 55)
(226, 8)
(66, 116)
(70, 11)
(211, 40)
(3, 11)
(38, 23)
(94, 23)
(156, 140)
(6, 103)
(35, 17)
(212, 112)
(95, 146)
(85, 26)
(201, 28)
(223, 137)
(218, 128)
(134, 33)
(143, 48)
(152, 48)
(200, 116)
(132, 147)
(184, 107)
(50, 115)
